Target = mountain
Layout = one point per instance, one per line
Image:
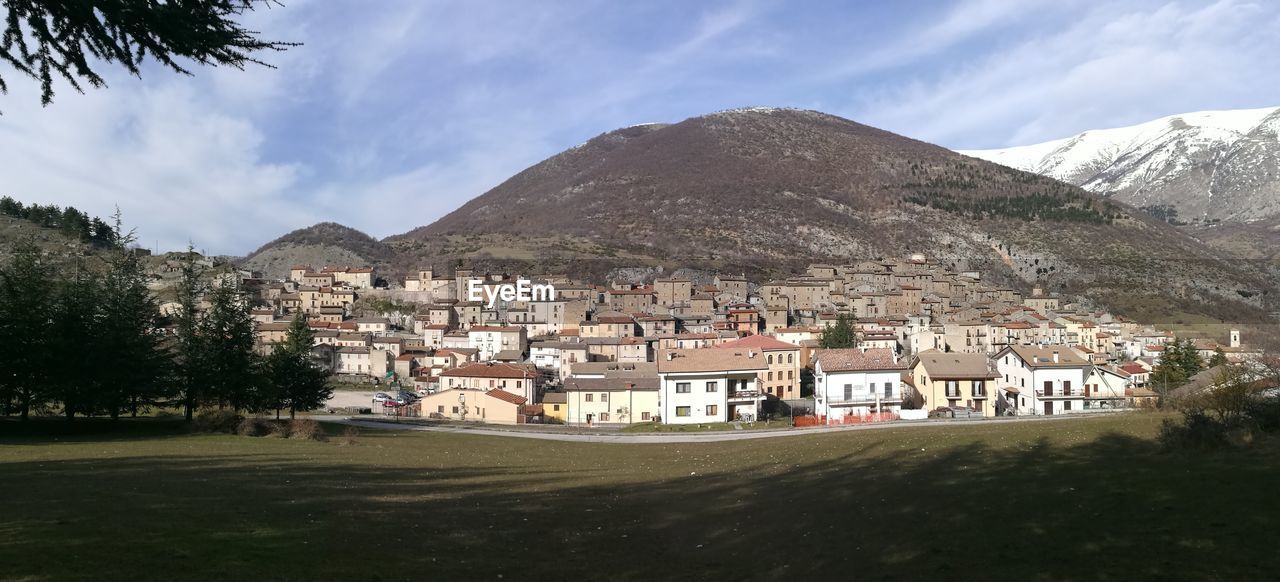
(1208, 166)
(764, 188)
(326, 243)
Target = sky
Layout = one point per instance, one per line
(394, 112)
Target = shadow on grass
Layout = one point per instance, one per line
(837, 506)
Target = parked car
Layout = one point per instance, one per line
(381, 398)
(409, 397)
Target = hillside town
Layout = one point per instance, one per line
(926, 342)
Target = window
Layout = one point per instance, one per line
(888, 389)
(953, 389)
(848, 391)
(712, 410)
(644, 416)
(1066, 387)
(979, 388)
(455, 410)
(712, 386)
(604, 397)
(770, 376)
(770, 359)
(682, 411)
(440, 409)
(590, 397)
(1048, 388)
(790, 358)
(604, 417)
(555, 407)
(682, 387)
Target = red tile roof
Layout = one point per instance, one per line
(507, 397)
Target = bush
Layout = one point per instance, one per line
(1196, 431)
(1265, 414)
(306, 429)
(349, 436)
(256, 426)
(216, 420)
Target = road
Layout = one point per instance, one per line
(674, 437)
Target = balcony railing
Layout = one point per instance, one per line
(744, 393)
(864, 398)
(1061, 393)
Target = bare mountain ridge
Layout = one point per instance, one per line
(326, 243)
(1209, 165)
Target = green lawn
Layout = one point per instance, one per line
(1080, 499)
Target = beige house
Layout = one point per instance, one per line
(956, 380)
(520, 379)
(491, 406)
(610, 400)
(782, 378)
(672, 291)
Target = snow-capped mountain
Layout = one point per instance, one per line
(1208, 165)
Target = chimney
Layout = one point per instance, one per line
(670, 356)
(751, 354)
(1055, 357)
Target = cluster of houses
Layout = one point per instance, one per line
(676, 350)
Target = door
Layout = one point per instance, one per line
(1048, 408)
(1066, 405)
(590, 417)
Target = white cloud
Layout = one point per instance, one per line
(1114, 65)
(177, 169)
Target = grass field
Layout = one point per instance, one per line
(1081, 499)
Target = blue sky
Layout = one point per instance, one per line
(395, 112)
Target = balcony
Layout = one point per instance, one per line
(1074, 392)
(744, 394)
(864, 398)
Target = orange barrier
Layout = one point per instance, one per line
(807, 421)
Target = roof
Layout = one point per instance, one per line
(1134, 369)
(955, 366)
(500, 328)
(709, 360)
(759, 342)
(616, 369)
(1043, 357)
(856, 359)
(491, 370)
(553, 398)
(648, 383)
(505, 396)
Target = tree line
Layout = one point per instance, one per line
(73, 222)
(90, 341)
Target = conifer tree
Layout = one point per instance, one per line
(296, 381)
(840, 334)
(26, 300)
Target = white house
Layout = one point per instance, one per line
(857, 382)
(1043, 380)
(709, 385)
(491, 339)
